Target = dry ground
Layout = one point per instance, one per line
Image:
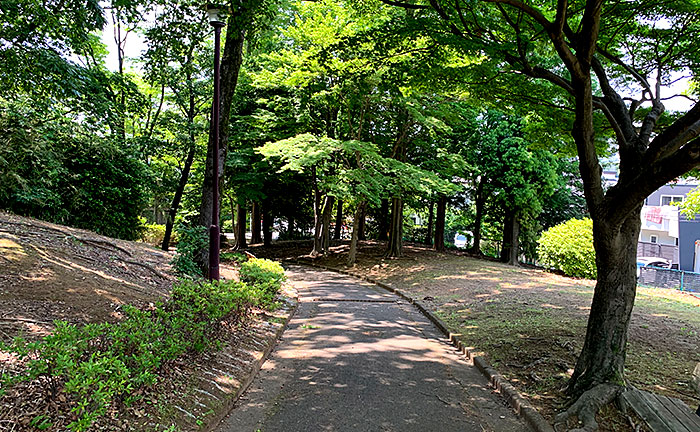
(50, 272)
(531, 324)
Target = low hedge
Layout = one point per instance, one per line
(266, 274)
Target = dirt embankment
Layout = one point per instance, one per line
(51, 272)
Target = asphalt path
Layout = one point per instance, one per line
(357, 358)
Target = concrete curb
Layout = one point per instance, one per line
(214, 421)
(521, 406)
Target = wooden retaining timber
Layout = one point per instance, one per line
(662, 413)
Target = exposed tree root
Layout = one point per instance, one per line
(587, 406)
(103, 244)
(146, 266)
(25, 320)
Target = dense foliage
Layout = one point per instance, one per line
(51, 170)
(191, 241)
(569, 247)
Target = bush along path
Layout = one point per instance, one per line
(139, 373)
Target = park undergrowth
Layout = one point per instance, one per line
(101, 366)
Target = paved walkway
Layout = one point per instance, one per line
(357, 358)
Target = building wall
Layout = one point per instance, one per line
(680, 189)
(661, 236)
(689, 232)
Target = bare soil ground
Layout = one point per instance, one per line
(50, 272)
(531, 323)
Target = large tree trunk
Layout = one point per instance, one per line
(602, 359)
(338, 220)
(431, 220)
(267, 223)
(255, 226)
(361, 234)
(511, 231)
(231, 61)
(290, 226)
(241, 222)
(326, 230)
(175, 205)
(318, 222)
(480, 201)
(395, 244)
(383, 223)
(440, 224)
(352, 255)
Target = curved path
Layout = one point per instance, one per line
(357, 358)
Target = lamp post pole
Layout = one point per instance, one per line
(214, 232)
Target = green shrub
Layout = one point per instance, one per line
(154, 234)
(97, 364)
(61, 172)
(265, 274)
(569, 247)
(192, 241)
(236, 257)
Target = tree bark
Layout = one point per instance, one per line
(175, 205)
(602, 358)
(318, 221)
(480, 201)
(232, 203)
(431, 217)
(383, 224)
(510, 248)
(185, 175)
(338, 220)
(326, 224)
(395, 244)
(361, 234)
(290, 226)
(241, 222)
(267, 223)
(255, 226)
(352, 255)
(440, 224)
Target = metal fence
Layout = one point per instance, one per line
(669, 278)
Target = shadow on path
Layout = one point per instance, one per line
(357, 358)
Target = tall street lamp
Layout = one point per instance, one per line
(217, 20)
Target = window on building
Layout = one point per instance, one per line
(676, 241)
(653, 239)
(668, 199)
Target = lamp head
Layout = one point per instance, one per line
(216, 14)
